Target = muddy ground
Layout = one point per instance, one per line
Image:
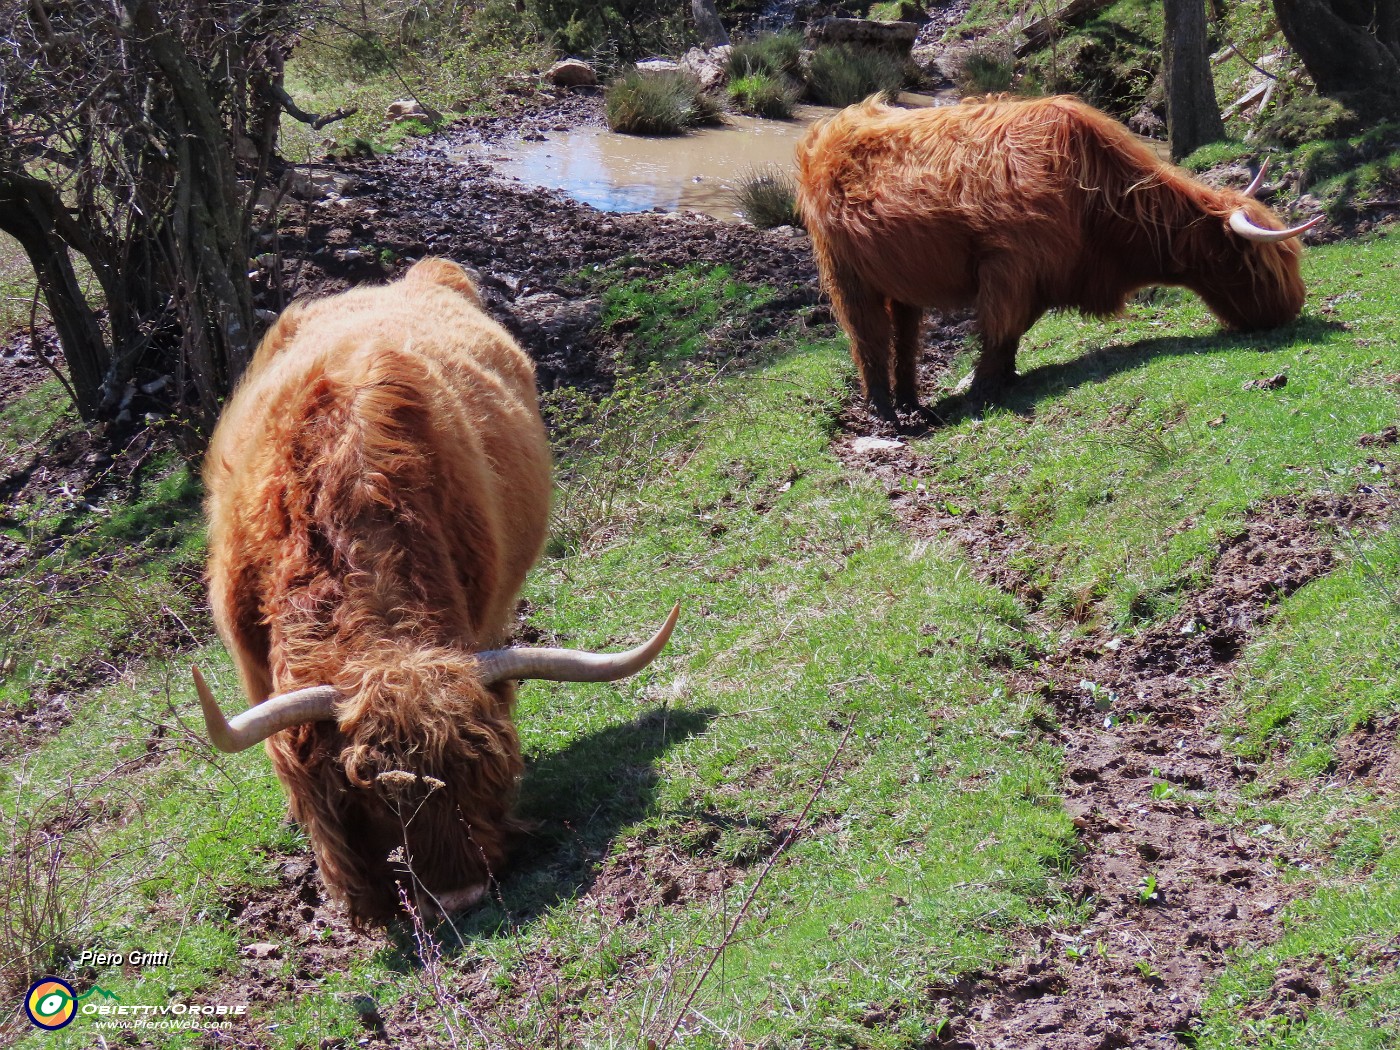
(1134, 973)
(528, 245)
(1169, 888)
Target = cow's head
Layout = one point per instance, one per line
(409, 799)
(1249, 267)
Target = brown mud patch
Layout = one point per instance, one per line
(1369, 756)
(529, 245)
(1168, 890)
(291, 934)
(1315, 983)
(20, 368)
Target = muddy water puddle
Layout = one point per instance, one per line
(698, 171)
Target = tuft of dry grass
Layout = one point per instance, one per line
(768, 198)
(667, 103)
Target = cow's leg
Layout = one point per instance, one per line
(907, 321)
(865, 316)
(1006, 309)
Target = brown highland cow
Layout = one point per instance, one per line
(1016, 207)
(379, 486)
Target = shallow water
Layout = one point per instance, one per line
(630, 173)
(698, 171)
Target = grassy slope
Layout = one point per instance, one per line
(805, 610)
(1127, 475)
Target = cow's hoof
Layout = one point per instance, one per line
(882, 410)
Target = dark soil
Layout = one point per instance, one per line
(528, 245)
(490, 999)
(1170, 888)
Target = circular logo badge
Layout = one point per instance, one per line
(50, 1003)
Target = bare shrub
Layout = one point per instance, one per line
(55, 880)
(139, 136)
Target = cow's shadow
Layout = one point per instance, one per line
(575, 801)
(1046, 381)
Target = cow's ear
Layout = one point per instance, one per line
(446, 273)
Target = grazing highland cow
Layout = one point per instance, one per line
(1015, 208)
(378, 487)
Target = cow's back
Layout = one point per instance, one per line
(916, 201)
(381, 469)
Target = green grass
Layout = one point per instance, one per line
(374, 54)
(840, 75)
(1125, 455)
(764, 95)
(16, 286)
(674, 322)
(106, 576)
(985, 69)
(1168, 450)
(665, 103)
(1326, 667)
(774, 54)
(1345, 173)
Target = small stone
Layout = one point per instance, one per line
(262, 950)
(874, 444)
(572, 73)
(405, 109)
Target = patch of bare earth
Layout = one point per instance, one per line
(292, 934)
(529, 245)
(1169, 891)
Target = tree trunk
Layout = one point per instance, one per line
(27, 214)
(707, 23)
(1351, 49)
(1193, 116)
(209, 249)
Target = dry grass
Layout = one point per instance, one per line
(56, 879)
(768, 198)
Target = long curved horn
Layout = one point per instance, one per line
(571, 665)
(314, 704)
(1253, 187)
(1240, 223)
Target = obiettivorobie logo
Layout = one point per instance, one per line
(52, 1004)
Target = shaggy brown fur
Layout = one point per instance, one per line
(378, 487)
(1014, 208)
